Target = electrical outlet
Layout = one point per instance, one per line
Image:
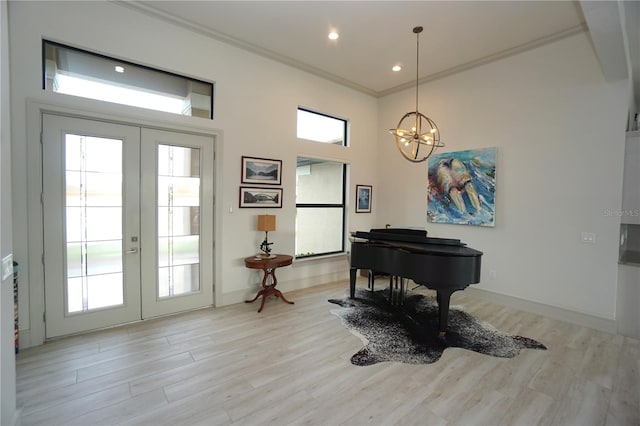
(588, 237)
(492, 274)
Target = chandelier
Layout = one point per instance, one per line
(417, 136)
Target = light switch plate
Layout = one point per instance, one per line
(7, 266)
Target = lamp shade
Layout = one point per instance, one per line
(266, 222)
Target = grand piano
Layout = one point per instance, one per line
(441, 264)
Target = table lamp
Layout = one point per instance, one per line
(266, 223)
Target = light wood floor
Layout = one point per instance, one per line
(290, 365)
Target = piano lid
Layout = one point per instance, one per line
(405, 235)
(404, 231)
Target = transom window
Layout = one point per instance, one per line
(77, 72)
(318, 127)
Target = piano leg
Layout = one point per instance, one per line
(397, 292)
(443, 297)
(352, 282)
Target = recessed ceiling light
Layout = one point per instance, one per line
(118, 68)
(333, 35)
(396, 68)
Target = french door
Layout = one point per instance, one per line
(128, 223)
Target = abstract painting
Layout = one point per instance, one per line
(462, 187)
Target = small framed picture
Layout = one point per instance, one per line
(363, 198)
(260, 197)
(261, 171)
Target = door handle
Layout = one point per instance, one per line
(131, 251)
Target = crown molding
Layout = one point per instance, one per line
(225, 38)
(222, 37)
(489, 58)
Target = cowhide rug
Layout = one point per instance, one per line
(409, 333)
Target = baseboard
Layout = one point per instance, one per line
(300, 283)
(578, 318)
(306, 282)
(24, 341)
(17, 417)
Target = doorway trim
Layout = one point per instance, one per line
(93, 110)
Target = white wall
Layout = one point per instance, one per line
(7, 353)
(559, 130)
(255, 113)
(558, 126)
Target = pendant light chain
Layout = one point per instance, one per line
(417, 126)
(417, 30)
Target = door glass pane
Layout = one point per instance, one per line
(176, 250)
(94, 258)
(93, 188)
(184, 278)
(96, 291)
(178, 220)
(103, 290)
(93, 222)
(95, 218)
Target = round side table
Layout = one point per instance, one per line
(268, 266)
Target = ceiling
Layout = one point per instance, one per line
(375, 35)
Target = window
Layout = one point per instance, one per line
(320, 207)
(323, 128)
(89, 75)
(320, 188)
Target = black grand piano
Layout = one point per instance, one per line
(441, 264)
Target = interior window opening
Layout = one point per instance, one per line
(320, 207)
(318, 127)
(77, 72)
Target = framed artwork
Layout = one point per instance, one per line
(363, 198)
(260, 197)
(462, 187)
(261, 171)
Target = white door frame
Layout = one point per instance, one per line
(93, 110)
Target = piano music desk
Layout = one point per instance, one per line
(268, 266)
